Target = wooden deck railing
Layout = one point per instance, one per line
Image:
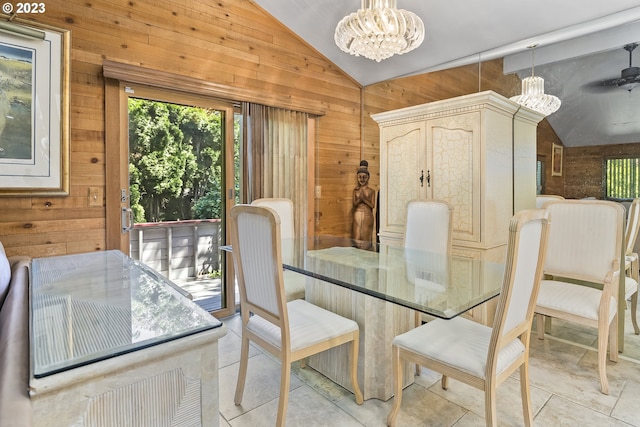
(178, 249)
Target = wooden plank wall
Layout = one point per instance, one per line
(546, 138)
(230, 42)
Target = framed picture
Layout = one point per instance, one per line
(34, 109)
(556, 160)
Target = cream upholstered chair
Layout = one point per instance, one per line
(541, 199)
(631, 261)
(585, 245)
(429, 228)
(290, 330)
(294, 283)
(476, 354)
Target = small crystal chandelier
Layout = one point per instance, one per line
(378, 30)
(533, 95)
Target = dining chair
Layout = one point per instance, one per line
(582, 271)
(294, 283)
(541, 199)
(476, 354)
(631, 261)
(429, 228)
(290, 330)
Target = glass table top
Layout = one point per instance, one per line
(444, 286)
(93, 306)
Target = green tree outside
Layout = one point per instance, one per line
(175, 161)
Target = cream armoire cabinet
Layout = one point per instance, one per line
(477, 152)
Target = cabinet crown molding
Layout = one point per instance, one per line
(461, 104)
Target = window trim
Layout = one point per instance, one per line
(605, 182)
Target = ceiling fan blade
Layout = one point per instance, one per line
(601, 86)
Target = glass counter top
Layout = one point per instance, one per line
(93, 306)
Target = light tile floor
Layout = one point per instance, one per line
(564, 390)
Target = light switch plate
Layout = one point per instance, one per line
(95, 196)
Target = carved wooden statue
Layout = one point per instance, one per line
(363, 205)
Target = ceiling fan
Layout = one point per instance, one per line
(629, 77)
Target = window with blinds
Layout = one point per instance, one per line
(539, 177)
(621, 178)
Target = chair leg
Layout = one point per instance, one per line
(603, 332)
(418, 324)
(525, 393)
(613, 339)
(354, 369)
(490, 405)
(397, 384)
(444, 382)
(540, 326)
(285, 381)
(634, 310)
(242, 371)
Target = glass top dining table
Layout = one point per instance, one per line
(443, 286)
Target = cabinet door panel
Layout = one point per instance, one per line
(454, 144)
(402, 151)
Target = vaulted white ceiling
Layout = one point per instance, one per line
(573, 37)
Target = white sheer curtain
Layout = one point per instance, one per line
(276, 157)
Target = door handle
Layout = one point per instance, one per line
(126, 219)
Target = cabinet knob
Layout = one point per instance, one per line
(428, 178)
(422, 178)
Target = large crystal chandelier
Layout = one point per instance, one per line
(533, 95)
(378, 30)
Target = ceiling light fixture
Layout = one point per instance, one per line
(533, 95)
(378, 30)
